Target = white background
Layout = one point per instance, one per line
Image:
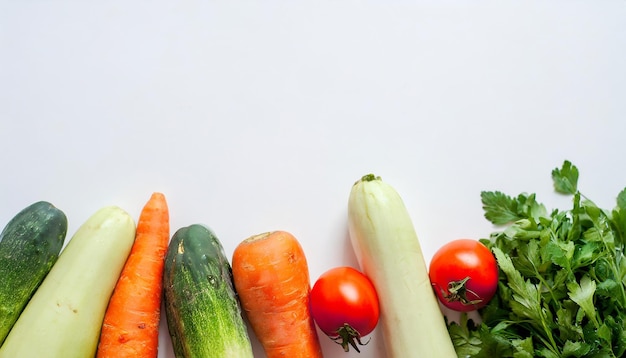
(257, 116)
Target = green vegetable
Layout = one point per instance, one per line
(29, 246)
(64, 316)
(202, 310)
(562, 288)
(389, 252)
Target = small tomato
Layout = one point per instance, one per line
(464, 275)
(344, 304)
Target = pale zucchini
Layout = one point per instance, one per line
(389, 253)
(64, 316)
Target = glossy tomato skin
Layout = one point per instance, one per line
(344, 295)
(464, 275)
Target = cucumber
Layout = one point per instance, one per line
(29, 246)
(202, 310)
(64, 316)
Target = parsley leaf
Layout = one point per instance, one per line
(499, 208)
(502, 209)
(621, 200)
(562, 283)
(582, 294)
(566, 178)
(465, 337)
(619, 218)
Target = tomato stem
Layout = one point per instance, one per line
(457, 291)
(348, 336)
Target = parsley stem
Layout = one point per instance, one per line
(553, 346)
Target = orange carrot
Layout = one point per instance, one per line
(271, 277)
(131, 322)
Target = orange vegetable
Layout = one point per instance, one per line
(131, 322)
(271, 277)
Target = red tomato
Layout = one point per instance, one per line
(464, 275)
(344, 304)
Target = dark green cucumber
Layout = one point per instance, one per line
(201, 306)
(30, 245)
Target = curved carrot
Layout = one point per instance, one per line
(131, 322)
(271, 277)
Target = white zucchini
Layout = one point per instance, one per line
(64, 317)
(389, 253)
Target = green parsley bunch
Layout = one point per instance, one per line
(562, 286)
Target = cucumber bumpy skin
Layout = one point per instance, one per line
(202, 310)
(30, 244)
